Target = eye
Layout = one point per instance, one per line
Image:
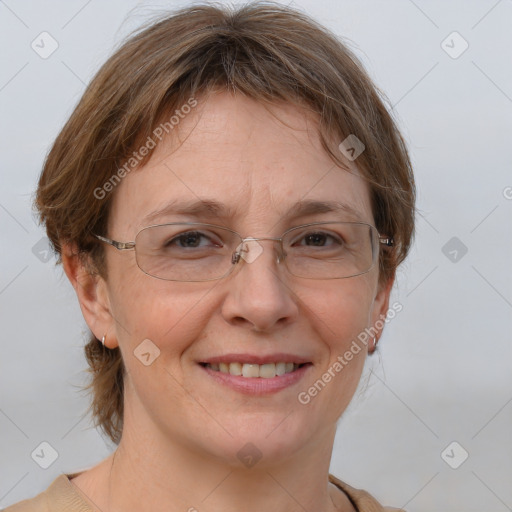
(319, 239)
(191, 240)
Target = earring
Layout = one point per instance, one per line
(103, 339)
(375, 341)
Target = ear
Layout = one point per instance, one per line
(379, 310)
(92, 292)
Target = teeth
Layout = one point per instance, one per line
(280, 368)
(249, 370)
(235, 369)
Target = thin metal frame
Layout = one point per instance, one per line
(235, 258)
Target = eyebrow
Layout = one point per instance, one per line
(311, 207)
(211, 209)
(200, 208)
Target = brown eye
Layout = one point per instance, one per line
(316, 239)
(319, 239)
(192, 239)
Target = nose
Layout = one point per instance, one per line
(258, 294)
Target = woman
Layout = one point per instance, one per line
(230, 200)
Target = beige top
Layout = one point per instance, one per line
(63, 496)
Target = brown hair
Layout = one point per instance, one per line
(265, 51)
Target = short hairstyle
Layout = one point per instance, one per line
(265, 51)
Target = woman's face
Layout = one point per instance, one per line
(233, 152)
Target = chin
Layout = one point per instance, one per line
(262, 440)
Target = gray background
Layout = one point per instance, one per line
(443, 372)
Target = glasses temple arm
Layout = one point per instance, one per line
(386, 240)
(118, 245)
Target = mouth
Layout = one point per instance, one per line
(256, 375)
(253, 370)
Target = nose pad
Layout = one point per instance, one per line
(250, 249)
(281, 254)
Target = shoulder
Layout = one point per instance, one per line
(37, 504)
(362, 500)
(60, 496)
(31, 505)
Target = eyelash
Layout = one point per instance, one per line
(303, 236)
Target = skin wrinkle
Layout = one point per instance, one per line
(258, 308)
(260, 152)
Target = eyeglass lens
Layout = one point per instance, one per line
(202, 252)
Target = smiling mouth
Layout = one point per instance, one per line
(251, 371)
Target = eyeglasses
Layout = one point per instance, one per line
(193, 252)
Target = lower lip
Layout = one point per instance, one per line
(258, 385)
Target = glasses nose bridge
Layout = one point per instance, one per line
(273, 239)
(257, 239)
(243, 248)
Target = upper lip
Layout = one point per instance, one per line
(280, 357)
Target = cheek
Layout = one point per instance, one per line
(342, 311)
(169, 314)
(339, 315)
(158, 323)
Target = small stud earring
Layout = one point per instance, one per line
(103, 339)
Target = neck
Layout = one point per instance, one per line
(154, 471)
(176, 479)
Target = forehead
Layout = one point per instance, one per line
(245, 162)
